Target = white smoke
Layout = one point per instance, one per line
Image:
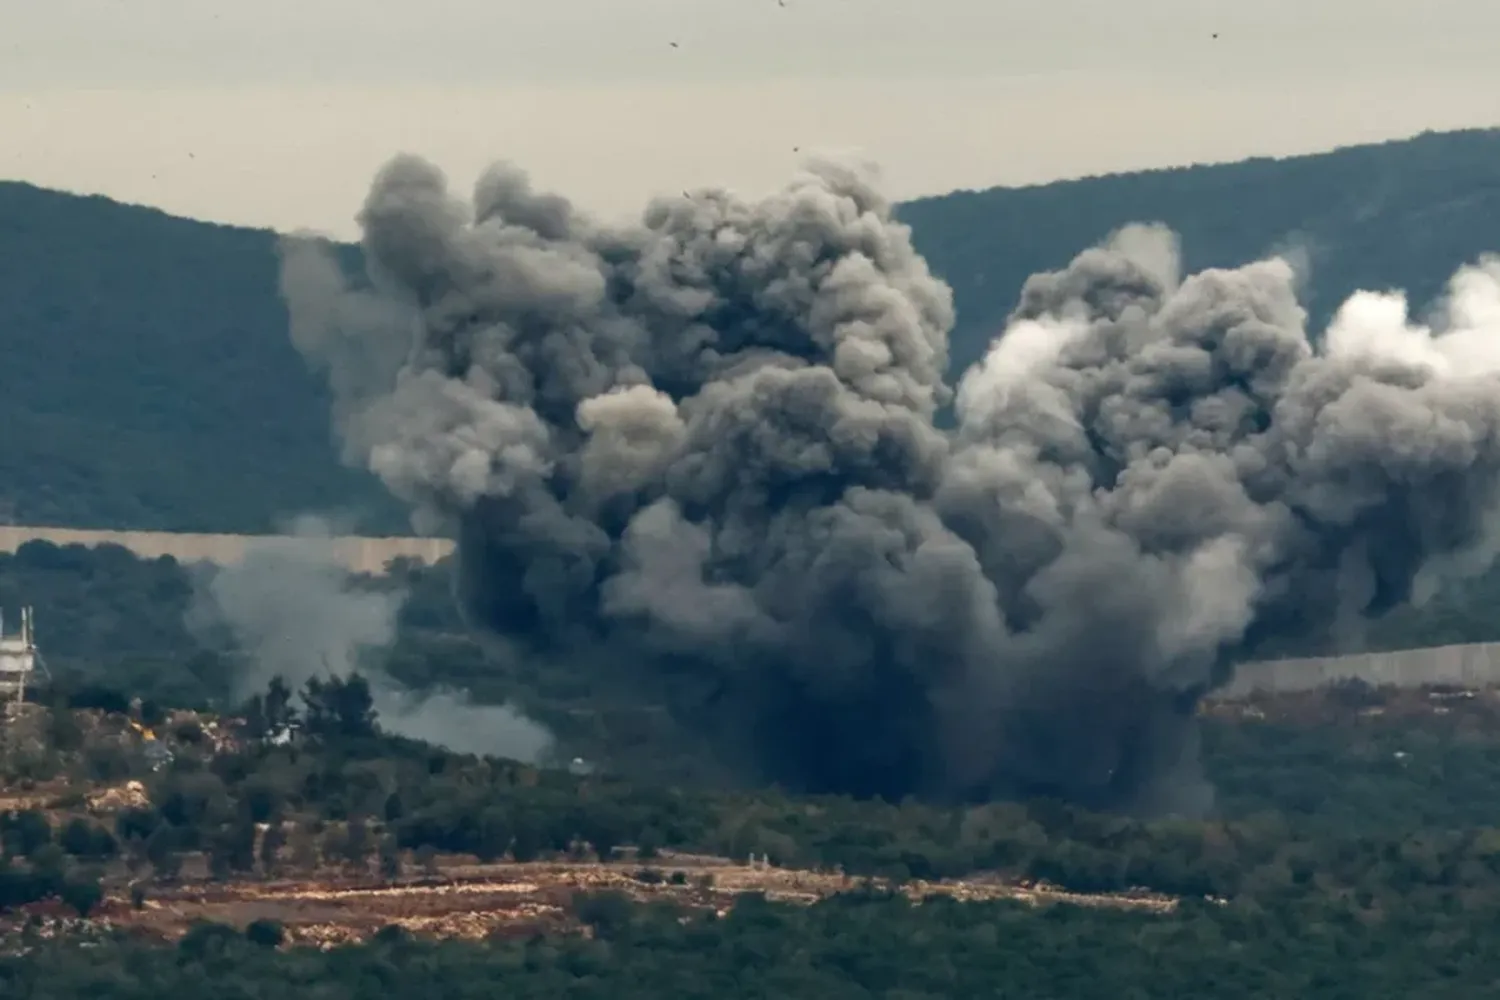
(294, 612)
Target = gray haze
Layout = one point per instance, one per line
(161, 43)
(291, 610)
(276, 112)
(703, 445)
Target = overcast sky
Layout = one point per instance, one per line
(277, 112)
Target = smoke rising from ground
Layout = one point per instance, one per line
(704, 444)
(291, 609)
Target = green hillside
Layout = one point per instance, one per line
(148, 381)
(1401, 214)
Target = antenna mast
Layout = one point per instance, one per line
(18, 661)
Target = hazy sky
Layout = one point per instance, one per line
(279, 111)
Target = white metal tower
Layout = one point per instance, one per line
(18, 661)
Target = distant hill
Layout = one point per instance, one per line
(1400, 214)
(146, 378)
(148, 382)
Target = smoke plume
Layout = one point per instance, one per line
(703, 445)
(291, 608)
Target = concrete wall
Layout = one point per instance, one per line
(361, 555)
(1472, 665)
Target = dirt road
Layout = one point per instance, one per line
(480, 901)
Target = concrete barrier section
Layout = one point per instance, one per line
(360, 554)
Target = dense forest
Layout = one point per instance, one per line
(844, 948)
(840, 949)
(150, 383)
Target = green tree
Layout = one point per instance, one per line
(63, 732)
(271, 843)
(390, 859)
(24, 831)
(356, 844)
(394, 808)
(82, 895)
(164, 851)
(265, 933)
(87, 840)
(339, 707)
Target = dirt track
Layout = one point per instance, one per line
(480, 901)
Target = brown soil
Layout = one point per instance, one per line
(475, 901)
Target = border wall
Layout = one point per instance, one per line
(359, 553)
(1473, 665)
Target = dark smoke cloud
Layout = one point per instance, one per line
(703, 445)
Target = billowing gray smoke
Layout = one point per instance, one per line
(290, 608)
(703, 446)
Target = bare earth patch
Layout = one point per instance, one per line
(472, 901)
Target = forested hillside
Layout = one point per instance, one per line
(149, 382)
(1400, 214)
(148, 379)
